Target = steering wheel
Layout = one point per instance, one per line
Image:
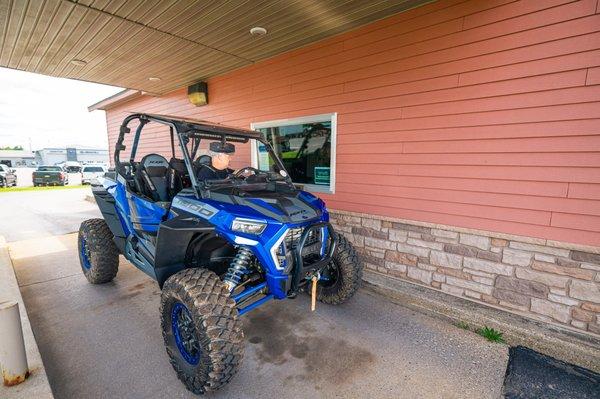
(242, 173)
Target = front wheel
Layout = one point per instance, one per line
(341, 278)
(202, 333)
(98, 254)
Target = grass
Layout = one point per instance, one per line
(486, 332)
(490, 334)
(31, 188)
(463, 325)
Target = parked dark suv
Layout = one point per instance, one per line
(8, 177)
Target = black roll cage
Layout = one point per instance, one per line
(185, 129)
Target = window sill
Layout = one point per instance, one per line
(315, 188)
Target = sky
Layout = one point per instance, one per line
(44, 111)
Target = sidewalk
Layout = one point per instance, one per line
(36, 386)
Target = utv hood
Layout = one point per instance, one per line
(295, 207)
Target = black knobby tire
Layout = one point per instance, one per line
(220, 339)
(95, 242)
(346, 272)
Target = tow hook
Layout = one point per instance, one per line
(313, 296)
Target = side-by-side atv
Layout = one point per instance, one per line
(218, 247)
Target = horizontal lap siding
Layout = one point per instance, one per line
(480, 114)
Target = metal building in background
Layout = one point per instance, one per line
(83, 155)
(17, 158)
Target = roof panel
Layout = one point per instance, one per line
(28, 48)
(124, 42)
(29, 22)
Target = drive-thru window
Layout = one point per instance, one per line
(306, 146)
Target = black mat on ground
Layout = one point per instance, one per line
(532, 375)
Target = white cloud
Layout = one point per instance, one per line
(50, 112)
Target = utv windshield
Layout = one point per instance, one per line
(226, 165)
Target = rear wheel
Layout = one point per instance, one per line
(201, 330)
(98, 254)
(341, 278)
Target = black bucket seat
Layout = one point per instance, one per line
(151, 177)
(178, 177)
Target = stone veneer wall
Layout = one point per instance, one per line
(557, 283)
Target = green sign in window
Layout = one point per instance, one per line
(322, 175)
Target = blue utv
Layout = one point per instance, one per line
(218, 248)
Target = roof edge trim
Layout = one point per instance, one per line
(115, 99)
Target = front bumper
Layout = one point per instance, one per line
(307, 263)
(302, 259)
(41, 180)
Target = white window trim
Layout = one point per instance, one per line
(296, 121)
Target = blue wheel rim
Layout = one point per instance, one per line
(185, 333)
(84, 253)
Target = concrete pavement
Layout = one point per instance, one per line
(30, 214)
(105, 341)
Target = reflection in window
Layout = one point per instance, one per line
(305, 150)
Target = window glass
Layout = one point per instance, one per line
(49, 169)
(93, 169)
(304, 148)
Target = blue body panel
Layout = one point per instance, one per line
(145, 215)
(118, 191)
(138, 214)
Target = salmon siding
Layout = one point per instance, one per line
(475, 114)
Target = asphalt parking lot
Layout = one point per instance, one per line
(105, 341)
(24, 177)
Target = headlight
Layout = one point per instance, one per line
(248, 226)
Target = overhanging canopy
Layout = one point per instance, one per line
(126, 42)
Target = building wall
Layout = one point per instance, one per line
(548, 281)
(470, 114)
(15, 162)
(50, 156)
(92, 156)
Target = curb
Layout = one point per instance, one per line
(37, 385)
(570, 346)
